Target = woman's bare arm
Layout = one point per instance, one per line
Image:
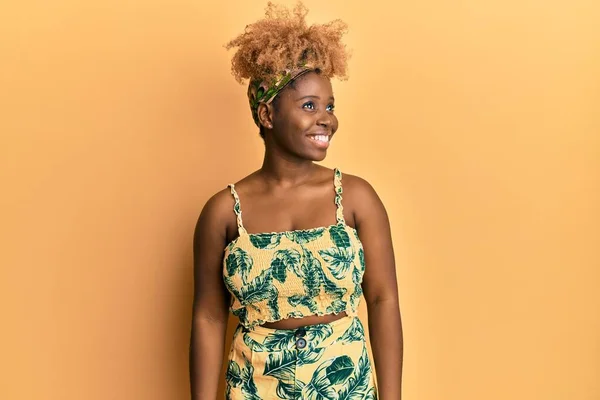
(210, 311)
(380, 287)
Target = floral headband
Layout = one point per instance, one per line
(265, 91)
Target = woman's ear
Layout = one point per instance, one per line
(265, 115)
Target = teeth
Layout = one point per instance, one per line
(321, 138)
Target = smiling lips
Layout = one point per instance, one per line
(320, 140)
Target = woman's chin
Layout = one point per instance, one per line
(318, 157)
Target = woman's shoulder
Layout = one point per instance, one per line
(223, 201)
(360, 198)
(219, 201)
(218, 213)
(217, 210)
(356, 186)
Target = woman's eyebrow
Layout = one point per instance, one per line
(310, 96)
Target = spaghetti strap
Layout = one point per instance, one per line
(237, 210)
(337, 183)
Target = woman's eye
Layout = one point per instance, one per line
(310, 105)
(330, 107)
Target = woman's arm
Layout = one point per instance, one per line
(210, 311)
(380, 288)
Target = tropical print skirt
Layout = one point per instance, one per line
(316, 362)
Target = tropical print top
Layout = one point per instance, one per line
(293, 274)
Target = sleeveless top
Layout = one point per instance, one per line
(293, 274)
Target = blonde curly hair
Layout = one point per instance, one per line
(282, 40)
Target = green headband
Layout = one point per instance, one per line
(265, 91)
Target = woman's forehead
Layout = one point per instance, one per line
(311, 84)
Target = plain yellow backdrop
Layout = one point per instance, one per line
(478, 123)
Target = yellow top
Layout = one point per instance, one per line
(294, 274)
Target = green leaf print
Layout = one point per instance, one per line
(339, 236)
(361, 257)
(334, 371)
(273, 304)
(357, 279)
(310, 356)
(319, 391)
(238, 260)
(356, 276)
(278, 341)
(372, 394)
(316, 334)
(260, 288)
(255, 346)
(249, 388)
(354, 333)
(281, 365)
(285, 390)
(231, 286)
(331, 287)
(295, 314)
(312, 282)
(313, 278)
(237, 376)
(288, 390)
(265, 240)
(355, 296)
(340, 370)
(356, 234)
(338, 259)
(311, 273)
(307, 301)
(241, 313)
(305, 236)
(284, 260)
(336, 307)
(357, 386)
(233, 375)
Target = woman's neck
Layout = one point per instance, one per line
(284, 172)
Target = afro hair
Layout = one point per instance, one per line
(283, 40)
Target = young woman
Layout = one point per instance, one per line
(291, 248)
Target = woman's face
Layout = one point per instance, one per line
(304, 120)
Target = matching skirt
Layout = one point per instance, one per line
(316, 362)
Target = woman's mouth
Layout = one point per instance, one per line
(320, 140)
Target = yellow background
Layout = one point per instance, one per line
(478, 122)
